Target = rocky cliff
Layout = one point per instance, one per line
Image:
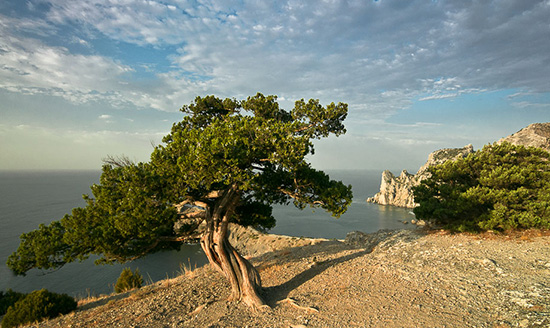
(397, 191)
(535, 135)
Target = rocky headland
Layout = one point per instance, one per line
(397, 190)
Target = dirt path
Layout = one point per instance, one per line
(388, 279)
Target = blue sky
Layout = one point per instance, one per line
(80, 80)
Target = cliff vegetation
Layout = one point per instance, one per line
(398, 190)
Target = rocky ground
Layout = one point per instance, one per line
(388, 279)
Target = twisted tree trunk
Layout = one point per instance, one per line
(243, 277)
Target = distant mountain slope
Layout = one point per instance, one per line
(535, 135)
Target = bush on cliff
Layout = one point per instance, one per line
(128, 280)
(38, 305)
(8, 299)
(500, 187)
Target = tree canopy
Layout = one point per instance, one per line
(225, 161)
(500, 187)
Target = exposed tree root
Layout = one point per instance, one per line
(293, 303)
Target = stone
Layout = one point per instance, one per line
(397, 191)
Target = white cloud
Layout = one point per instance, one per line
(532, 100)
(354, 51)
(440, 96)
(32, 67)
(81, 42)
(36, 26)
(135, 21)
(380, 57)
(106, 118)
(527, 104)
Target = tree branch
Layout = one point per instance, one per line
(194, 214)
(183, 239)
(118, 161)
(298, 197)
(304, 128)
(192, 202)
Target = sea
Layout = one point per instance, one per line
(28, 199)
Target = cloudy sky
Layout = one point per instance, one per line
(80, 80)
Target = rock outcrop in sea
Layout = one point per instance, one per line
(397, 191)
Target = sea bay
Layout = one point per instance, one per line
(28, 199)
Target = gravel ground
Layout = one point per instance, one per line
(402, 278)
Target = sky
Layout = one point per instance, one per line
(82, 80)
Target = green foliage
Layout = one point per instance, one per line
(8, 299)
(38, 305)
(263, 153)
(500, 187)
(127, 219)
(128, 280)
(251, 146)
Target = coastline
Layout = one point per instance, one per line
(400, 278)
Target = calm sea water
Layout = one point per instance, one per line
(30, 198)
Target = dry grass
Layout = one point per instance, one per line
(188, 270)
(134, 294)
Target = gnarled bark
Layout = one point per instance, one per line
(243, 277)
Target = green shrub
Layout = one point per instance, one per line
(128, 280)
(501, 187)
(8, 299)
(38, 305)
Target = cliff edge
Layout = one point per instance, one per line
(406, 278)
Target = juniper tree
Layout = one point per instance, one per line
(500, 187)
(225, 161)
